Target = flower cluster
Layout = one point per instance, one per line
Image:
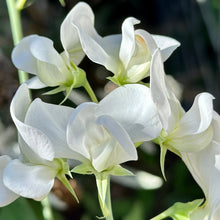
(103, 135)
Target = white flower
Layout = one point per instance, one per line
(182, 131)
(36, 55)
(42, 144)
(205, 168)
(104, 133)
(127, 55)
(189, 131)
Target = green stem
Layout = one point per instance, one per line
(90, 91)
(105, 206)
(46, 209)
(160, 216)
(108, 201)
(16, 28)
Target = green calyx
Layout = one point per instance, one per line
(163, 141)
(62, 168)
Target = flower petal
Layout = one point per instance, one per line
(203, 167)
(166, 44)
(31, 181)
(168, 106)
(128, 40)
(79, 124)
(69, 35)
(133, 108)
(51, 120)
(105, 48)
(149, 40)
(199, 116)
(35, 139)
(35, 83)
(118, 149)
(51, 67)
(22, 56)
(7, 196)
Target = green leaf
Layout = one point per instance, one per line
(180, 211)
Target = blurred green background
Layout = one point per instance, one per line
(195, 64)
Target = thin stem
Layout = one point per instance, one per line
(20, 4)
(16, 28)
(46, 209)
(108, 201)
(90, 91)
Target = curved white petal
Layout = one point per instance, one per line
(216, 126)
(80, 123)
(51, 67)
(166, 44)
(31, 181)
(35, 139)
(149, 40)
(35, 83)
(69, 35)
(120, 134)
(52, 120)
(158, 88)
(133, 108)
(128, 40)
(191, 143)
(168, 106)
(7, 196)
(22, 56)
(202, 166)
(199, 116)
(91, 41)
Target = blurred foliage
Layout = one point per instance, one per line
(195, 65)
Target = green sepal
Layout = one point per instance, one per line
(55, 91)
(163, 151)
(114, 80)
(180, 211)
(83, 168)
(64, 180)
(119, 171)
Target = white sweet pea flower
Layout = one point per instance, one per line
(128, 55)
(189, 131)
(205, 168)
(42, 144)
(36, 55)
(105, 133)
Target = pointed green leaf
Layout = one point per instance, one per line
(180, 211)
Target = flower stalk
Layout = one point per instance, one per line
(16, 29)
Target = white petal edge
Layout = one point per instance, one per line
(128, 40)
(132, 106)
(166, 44)
(35, 139)
(22, 56)
(31, 181)
(69, 35)
(7, 196)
